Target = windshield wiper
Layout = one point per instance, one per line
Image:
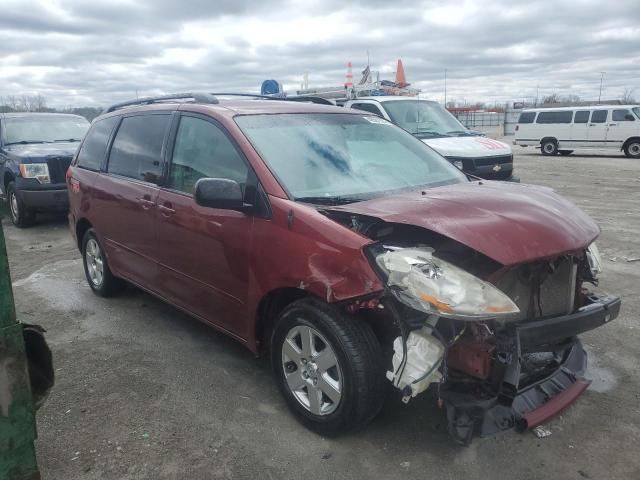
(26, 142)
(427, 133)
(460, 133)
(68, 140)
(326, 200)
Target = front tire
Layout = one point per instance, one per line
(549, 147)
(328, 366)
(21, 215)
(632, 149)
(96, 267)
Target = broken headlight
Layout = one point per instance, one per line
(434, 286)
(594, 260)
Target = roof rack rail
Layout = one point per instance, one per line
(249, 95)
(295, 98)
(197, 97)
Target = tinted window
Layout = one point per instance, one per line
(581, 117)
(599, 116)
(555, 117)
(95, 144)
(367, 107)
(202, 150)
(137, 148)
(622, 116)
(527, 117)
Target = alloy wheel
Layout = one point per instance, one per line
(311, 370)
(13, 205)
(95, 264)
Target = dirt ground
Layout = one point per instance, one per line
(145, 392)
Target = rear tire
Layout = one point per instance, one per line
(564, 153)
(21, 215)
(96, 268)
(549, 147)
(335, 383)
(632, 149)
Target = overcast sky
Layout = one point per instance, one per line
(79, 53)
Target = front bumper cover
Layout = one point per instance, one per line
(526, 405)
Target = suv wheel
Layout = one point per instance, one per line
(96, 268)
(549, 147)
(21, 215)
(328, 366)
(632, 149)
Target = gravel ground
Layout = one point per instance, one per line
(145, 392)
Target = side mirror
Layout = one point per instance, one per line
(220, 193)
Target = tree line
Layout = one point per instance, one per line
(38, 103)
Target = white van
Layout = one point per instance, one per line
(561, 130)
(470, 151)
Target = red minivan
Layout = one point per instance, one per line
(349, 250)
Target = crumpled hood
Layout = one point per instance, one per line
(468, 147)
(510, 223)
(41, 151)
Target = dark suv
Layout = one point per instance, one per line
(347, 249)
(35, 152)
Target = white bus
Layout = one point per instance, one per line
(562, 130)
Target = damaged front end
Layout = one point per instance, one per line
(499, 343)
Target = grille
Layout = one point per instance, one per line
(58, 168)
(557, 291)
(487, 161)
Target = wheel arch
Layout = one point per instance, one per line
(553, 139)
(8, 177)
(82, 225)
(270, 306)
(628, 141)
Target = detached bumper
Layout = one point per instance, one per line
(511, 401)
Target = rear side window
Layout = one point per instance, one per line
(527, 117)
(599, 116)
(94, 147)
(622, 116)
(581, 117)
(137, 148)
(367, 107)
(202, 150)
(555, 117)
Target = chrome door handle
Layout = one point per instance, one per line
(145, 204)
(166, 211)
(613, 124)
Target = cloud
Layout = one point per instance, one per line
(95, 53)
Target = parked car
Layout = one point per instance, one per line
(468, 150)
(35, 152)
(563, 130)
(348, 250)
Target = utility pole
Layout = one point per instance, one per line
(601, 79)
(445, 88)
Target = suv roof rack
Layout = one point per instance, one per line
(197, 97)
(295, 98)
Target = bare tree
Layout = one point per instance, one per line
(553, 98)
(628, 96)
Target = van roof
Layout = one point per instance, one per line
(590, 107)
(389, 98)
(233, 107)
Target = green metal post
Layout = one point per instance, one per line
(17, 414)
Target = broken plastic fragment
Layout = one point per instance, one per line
(420, 369)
